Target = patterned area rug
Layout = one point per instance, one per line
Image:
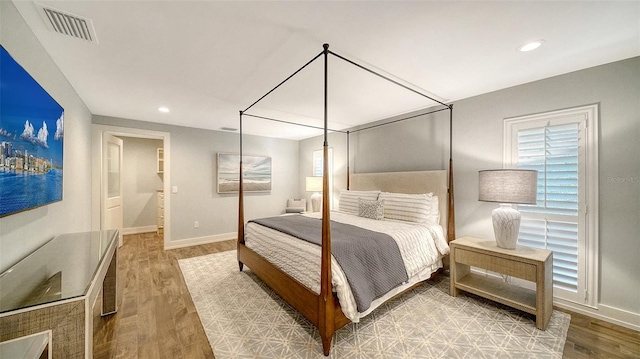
(243, 318)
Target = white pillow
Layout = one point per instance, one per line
(349, 200)
(371, 209)
(434, 211)
(407, 207)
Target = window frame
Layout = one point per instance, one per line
(587, 294)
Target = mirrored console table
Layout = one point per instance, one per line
(55, 289)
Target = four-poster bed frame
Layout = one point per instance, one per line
(323, 309)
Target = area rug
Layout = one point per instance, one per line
(243, 318)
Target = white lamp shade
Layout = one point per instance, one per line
(508, 186)
(314, 184)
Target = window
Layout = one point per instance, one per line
(562, 147)
(318, 167)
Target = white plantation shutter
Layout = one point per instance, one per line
(553, 152)
(557, 146)
(318, 167)
(562, 239)
(318, 162)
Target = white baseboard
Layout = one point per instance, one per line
(137, 230)
(604, 312)
(188, 242)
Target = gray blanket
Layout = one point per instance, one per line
(370, 260)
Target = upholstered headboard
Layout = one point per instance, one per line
(406, 182)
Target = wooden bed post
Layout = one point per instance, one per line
(326, 305)
(240, 202)
(451, 219)
(348, 154)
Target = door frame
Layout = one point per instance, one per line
(96, 174)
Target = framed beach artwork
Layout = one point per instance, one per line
(31, 141)
(256, 177)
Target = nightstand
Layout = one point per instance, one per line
(531, 264)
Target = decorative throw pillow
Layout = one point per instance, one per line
(407, 207)
(349, 200)
(371, 209)
(296, 205)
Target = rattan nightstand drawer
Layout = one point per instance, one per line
(496, 264)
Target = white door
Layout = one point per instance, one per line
(112, 184)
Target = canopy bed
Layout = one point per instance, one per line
(267, 246)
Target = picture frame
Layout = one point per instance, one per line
(31, 141)
(256, 173)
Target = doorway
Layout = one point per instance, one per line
(142, 185)
(99, 184)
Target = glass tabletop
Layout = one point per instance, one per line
(61, 269)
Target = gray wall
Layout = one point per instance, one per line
(478, 144)
(193, 171)
(413, 145)
(22, 233)
(140, 181)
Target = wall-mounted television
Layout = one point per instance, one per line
(31, 141)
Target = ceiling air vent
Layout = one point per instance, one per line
(68, 24)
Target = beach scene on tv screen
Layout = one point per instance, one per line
(31, 141)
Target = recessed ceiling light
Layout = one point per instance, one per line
(531, 45)
(163, 109)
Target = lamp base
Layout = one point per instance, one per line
(316, 202)
(506, 225)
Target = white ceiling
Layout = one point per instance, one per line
(207, 60)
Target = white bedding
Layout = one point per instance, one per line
(421, 246)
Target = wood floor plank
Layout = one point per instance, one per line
(169, 346)
(157, 319)
(105, 350)
(148, 350)
(127, 347)
(144, 273)
(589, 337)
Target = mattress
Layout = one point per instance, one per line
(422, 247)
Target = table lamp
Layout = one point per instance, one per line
(507, 186)
(314, 184)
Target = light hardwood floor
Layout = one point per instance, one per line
(157, 319)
